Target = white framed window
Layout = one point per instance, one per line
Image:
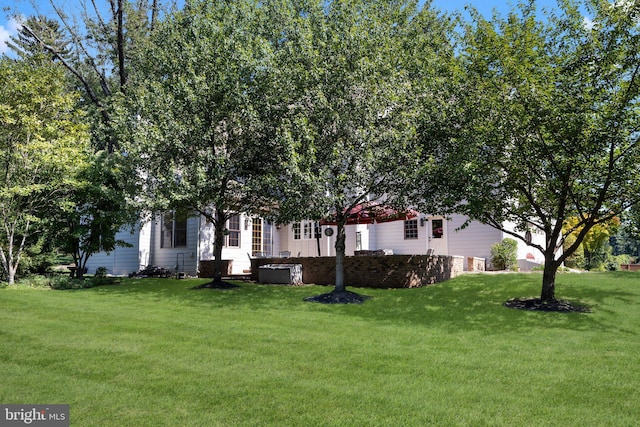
(173, 230)
(295, 227)
(411, 229)
(233, 227)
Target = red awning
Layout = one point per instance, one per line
(387, 214)
(369, 213)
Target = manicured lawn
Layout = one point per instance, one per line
(154, 352)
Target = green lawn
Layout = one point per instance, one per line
(154, 352)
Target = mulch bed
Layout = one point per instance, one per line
(339, 297)
(536, 304)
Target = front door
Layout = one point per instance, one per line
(437, 235)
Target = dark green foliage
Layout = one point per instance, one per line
(59, 281)
(543, 126)
(99, 210)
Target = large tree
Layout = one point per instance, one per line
(357, 73)
(43, 144)
(95, 42)
(99, 210)
(544, 126)
(201, 111)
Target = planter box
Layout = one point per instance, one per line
(207, 267)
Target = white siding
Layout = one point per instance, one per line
(174, 259)
(123, 260)
(307, 247)
(474, 240)
(390, 235)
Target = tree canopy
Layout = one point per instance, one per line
(357, 74)
(43, 145)
(202, 118)
(95, 42)
(545, 124)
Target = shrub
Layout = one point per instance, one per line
(504, 255)
(613, 262)
(65, 282)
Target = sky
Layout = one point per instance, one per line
(9, 27)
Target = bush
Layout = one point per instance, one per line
(613, 262)
(64, 282)
(504, 255)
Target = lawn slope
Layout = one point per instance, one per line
(156, 352)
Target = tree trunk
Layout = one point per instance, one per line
(81, 266)
(340, 249)
(217, 247)
(11, 275)
(549, 279)
(7, 264)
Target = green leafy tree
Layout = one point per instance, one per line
(546, 124)
(593, 250)
(95, 42)
(50, 38)
(42, 146)
(100, 209)
(627, 240)
(200, 112)
(357, 75)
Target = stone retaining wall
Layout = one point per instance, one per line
(475, 264)
(391, 271)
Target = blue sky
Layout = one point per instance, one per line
(9, 28)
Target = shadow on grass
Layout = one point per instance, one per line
(477, 302)
(469, 302)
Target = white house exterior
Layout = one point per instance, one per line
(179, 245)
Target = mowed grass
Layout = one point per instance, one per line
(155, 352)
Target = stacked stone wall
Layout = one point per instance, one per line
(389, 271)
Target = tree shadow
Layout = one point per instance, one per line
(469, 302)
(476, 302)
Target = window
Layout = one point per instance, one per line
(267, 237)
(359, 241)
(308, 227)
(411, 229)
(233, 227)
(256, 238)
(437, 228)
(173, 230)
(296, 230)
